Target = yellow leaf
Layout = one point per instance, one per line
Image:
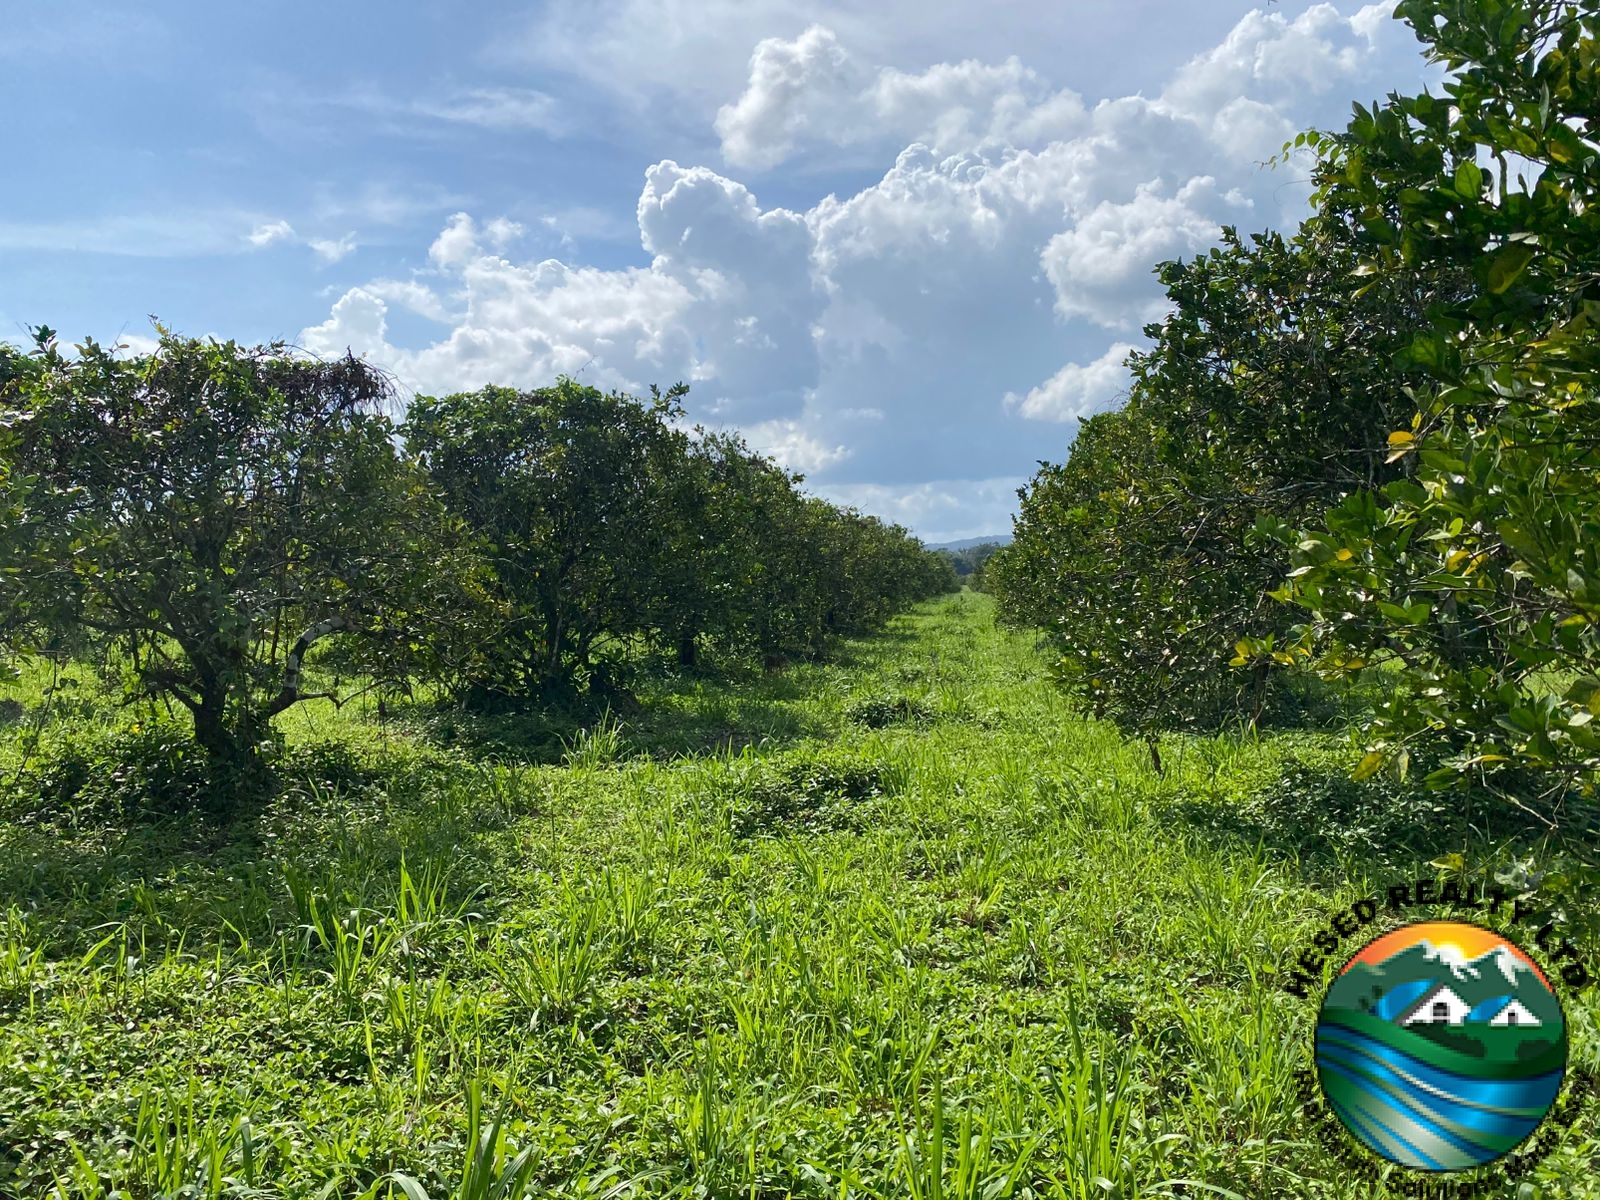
(1344, 555)
(1401, 437)
(1368, 766)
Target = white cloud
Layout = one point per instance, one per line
(1101, 266)
(688, 57)
(1276, 59)
(385, 204)
(929, 325)
(272, 231)
(1075, 392)
(794, 447)
(194, 233)
(357, 324)
(500, 108)
(328, 250)
(412, 296)
(943, 510)
(501, 232)
(286, 110)
(811, 90)
(332, 250)
(457, 244)
(759, 129)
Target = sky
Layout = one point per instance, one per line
(903, 247)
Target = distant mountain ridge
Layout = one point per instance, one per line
(993, 539)
(1493, 975)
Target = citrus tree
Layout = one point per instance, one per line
(1477, 576)
(211, 512)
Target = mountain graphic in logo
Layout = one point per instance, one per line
(1440, 1046)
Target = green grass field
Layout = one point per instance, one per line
(740, 945)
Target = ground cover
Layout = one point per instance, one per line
(898, 925)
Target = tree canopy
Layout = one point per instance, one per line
(1478, 575)
(212, 511)
(1384, 420)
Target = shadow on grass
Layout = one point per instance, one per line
(128, 831)
(240, 869)
(675, 713)
(1315, 813)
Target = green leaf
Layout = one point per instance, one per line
(1371, 763)
(1507, 264)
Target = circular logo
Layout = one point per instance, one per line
(1440, 1046)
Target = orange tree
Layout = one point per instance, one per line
(1264, 398)
(213, 511)
(1478, 575)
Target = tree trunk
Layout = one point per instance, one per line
(688, 652)
(211, 731)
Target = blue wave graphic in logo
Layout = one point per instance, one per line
(1422, 1116)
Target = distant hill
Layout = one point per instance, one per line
(1403, 978)
(993, 539)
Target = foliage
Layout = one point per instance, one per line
(879, 712)
(1479, 576)
(566, 488)
(211, 511)
(604, 524)
(969, 561)
(1261, 400)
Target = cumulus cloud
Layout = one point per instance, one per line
(1277, 60)
(794, 447)
(501, 232)
(358, 324)
(787, 78)
(947, 322)
(456, 244)
(811, 89)
(1075, 392)
(1101, 266)
(412, 296)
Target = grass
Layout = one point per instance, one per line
(900, 926)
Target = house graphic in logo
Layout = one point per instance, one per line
(1441, 1046)
(1438, 1006)
(1441, 1006)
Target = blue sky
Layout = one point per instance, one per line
(903, 246)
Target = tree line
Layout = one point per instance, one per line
(1370, 449)
(205, 514)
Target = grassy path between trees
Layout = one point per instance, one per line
(979, 949)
